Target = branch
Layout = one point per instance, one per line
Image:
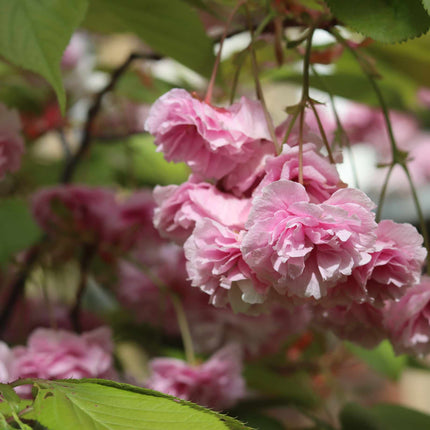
(73, 162)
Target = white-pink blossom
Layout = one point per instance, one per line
(211, 140)
(215, 263)
(217, 383)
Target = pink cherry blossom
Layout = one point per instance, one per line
(59, 354)
(11, 142)
(212, 141)
(358, 323)
(320, 178)
(302, 249)
(408, 320)
(136, 214)
(397, 262)
(180, 206)
(395, 265)
(216, 383)
(215, 263)
(246, 176)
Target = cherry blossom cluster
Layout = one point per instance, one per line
(261, 226)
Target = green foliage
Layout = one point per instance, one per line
(355, 417)
(106, 405)
(347, 80)
(295, 389)
(387, 21)
(382, 359)
(382, 417)
(426, 4)
(34, 35)
(170, 27)
(17, 228)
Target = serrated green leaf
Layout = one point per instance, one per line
(17, 228)
(382, 359)
(34, 35)
(106, 405)
(170, 27)
(387, 21)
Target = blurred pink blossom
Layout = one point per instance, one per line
(59, 354)
(11, 142)
(358, 323)
(408, 320)
(217, 383)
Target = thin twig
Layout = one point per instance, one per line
(18, 285)
(84, 265)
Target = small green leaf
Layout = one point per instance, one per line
(17, 228)
(387, 21)
(382, 359)
(34, 35)
(170, 27)
(106, 405)
(10, 396)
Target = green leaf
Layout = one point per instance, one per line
(34, 35)
(106, 405)
(355, 417)
(410, 59)
(295, 389)
(395, 417)
(10, 396)
(387, 21)
(382, 417)
(426, 4)
(382, 359)
(170, 27)
(17, 228)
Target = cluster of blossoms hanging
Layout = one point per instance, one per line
(261, 226)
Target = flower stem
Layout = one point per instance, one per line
(208, 97)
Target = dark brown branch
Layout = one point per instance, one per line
(18, 285)
(73, 162)
(84, 265)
